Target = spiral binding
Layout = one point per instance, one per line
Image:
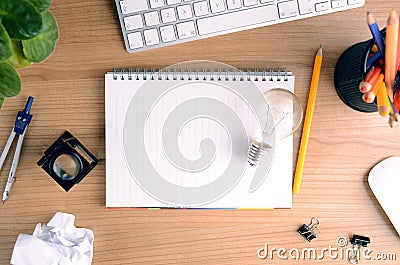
(247, 74)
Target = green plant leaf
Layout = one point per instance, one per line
(21, 19)
(17, 58)
(10, 82)
(40, 47)
(41, 5)
(1, 102)
(5, 44)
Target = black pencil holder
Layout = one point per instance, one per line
(350, 70)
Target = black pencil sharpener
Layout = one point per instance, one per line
(67, 161)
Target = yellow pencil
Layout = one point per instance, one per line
(307, 121)
(383, 100)
(392, 31)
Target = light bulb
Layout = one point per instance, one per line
(279, 119)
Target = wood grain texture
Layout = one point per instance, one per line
(69, 95)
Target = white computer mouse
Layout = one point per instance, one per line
(384, 180)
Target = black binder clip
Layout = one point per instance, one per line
(358, 242)
(310, 231)
(67, 161)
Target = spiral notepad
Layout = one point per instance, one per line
(178, 139)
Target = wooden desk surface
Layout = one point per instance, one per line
(69, 95)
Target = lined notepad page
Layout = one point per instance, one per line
(193, 155)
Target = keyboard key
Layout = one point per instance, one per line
(128, 7)
(151, 37)
(238, 19)
(167, 33)
(306, 6)
(338, 3)
(168, 15)
(234, 4)
(133, 22)
(184, 12)
(200, 8)
(217, 6)
(250, 2)
(135, 40)
(172, 2)
(322, 6)
(354, 2)
(152, 18)
(157, 3)
(287, 9)
(186, 30)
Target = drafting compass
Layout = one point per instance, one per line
(21, 123)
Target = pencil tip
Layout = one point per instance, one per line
(393, 18)
(319, 51)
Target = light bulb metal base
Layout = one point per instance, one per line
(256, 148)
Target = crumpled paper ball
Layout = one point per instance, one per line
(57, 243)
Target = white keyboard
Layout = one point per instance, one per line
(148, 24)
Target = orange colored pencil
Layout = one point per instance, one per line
(398, 49)
(392, 32)
(370, 79)
(369, 96)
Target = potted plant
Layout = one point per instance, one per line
(28, 34)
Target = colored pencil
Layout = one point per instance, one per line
(376, 34)
(396, 100)
(398, 50)
(392, 32)
(370, 79)
(382, 100)
(369, 96)
(307, 120)
(372, 59)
